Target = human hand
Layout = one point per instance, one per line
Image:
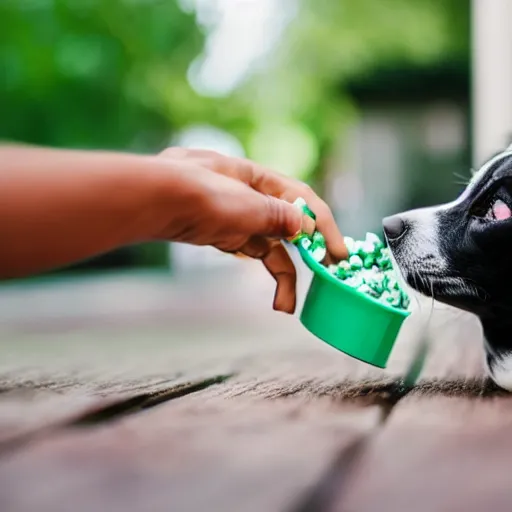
(271, 183)
(83, 203)
(244, 208)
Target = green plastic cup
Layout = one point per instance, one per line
(349, 320)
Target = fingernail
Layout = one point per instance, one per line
(308, 225)
(294, 237)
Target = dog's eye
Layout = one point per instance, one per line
(495, 203)
(499, 210)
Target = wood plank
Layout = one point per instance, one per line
(270, 354)
(25, 412)
(443, 453)
(28, 415)
(289, 390)
(222, 325)
(59, 355)
(227, 445)
(192, 332)
(236, 454)
(267, 439)
(440, 447)
(60, 370)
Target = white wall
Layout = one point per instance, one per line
(492, 77)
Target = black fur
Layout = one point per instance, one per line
(465, 256)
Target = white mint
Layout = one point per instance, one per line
(355, 260)
(372, 238)
(349, 242)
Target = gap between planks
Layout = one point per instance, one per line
(383, 395)
(329, 494)
(216, 443)
(105, 411)
(440, 452)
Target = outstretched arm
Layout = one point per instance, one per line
(59, 207)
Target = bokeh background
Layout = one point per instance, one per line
(371, 102)
(368, 101)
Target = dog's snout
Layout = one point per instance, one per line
(394, 227)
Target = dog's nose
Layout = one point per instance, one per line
(394, 226)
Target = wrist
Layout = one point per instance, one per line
(133, 186)
(171, 191)
(145, 182)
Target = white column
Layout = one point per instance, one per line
(492, 77)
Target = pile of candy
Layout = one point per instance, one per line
(368, 269)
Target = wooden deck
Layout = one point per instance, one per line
(140, 394)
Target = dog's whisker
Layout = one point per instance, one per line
(462, 180)
(474, 288)
(415, 281)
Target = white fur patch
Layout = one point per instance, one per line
(424, 240)
(501, 372)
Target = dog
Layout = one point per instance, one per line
(460, 253)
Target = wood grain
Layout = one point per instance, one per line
(443, 453)
(221, 454)
(444, 446)
(131, 334)
(267, 439)
(57, 351)
(283, 433)
(25, 412)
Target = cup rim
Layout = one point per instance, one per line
(319, 270)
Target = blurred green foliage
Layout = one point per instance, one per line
(113, 73)
(96, 73)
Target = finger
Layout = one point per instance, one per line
(326, 224)
(278, 263)
(280, 266)
(256, 247)
(271, 183)
(175, 152)
(308, 227)
(276, 218)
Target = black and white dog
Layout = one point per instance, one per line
(460, 253)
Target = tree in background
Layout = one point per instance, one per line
(114, 73)
(102, 74)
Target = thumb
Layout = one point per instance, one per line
(278, 218)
